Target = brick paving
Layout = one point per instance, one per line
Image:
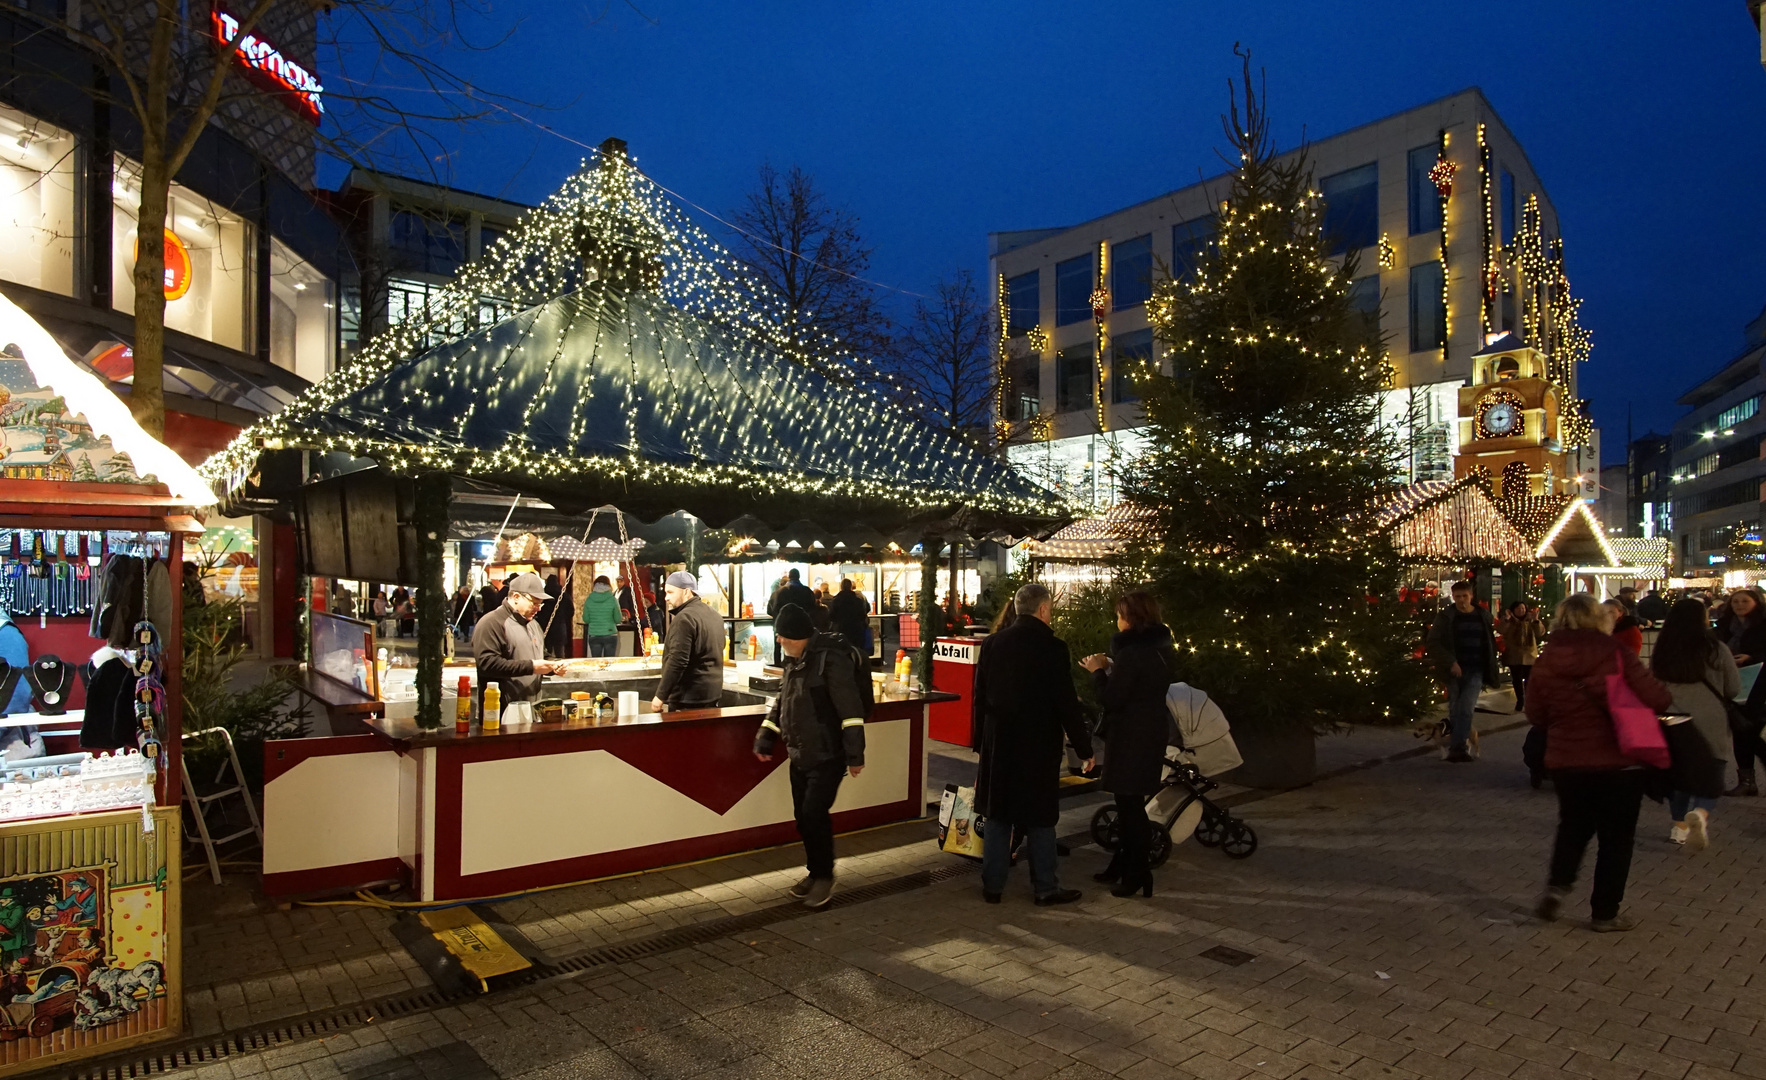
(1386, 910)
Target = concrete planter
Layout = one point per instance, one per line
(1283, 758)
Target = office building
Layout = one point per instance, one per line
(252, 260)
(1715, 459)
(1648, 509)
(1457, 244)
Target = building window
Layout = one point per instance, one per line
(303, 311)
(1023, 302)
(426, 244)
(1425, 200)
(1735, 414)
(1352, 208)
(1428, 315)
(209, 267)
(1131, 272)
(37, 182)
(1023, 389)
(1508, 206)
(488, 235)
(1073, 286)
(1131, 358)
(1364, 299)
(1075, 378)
(1509, 321)
(1190, 241)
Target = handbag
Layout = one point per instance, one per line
(1739, 724)
(1634, 723)
(960, 826)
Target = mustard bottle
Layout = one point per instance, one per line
(493, 709)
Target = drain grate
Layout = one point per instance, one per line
(217, 1047)
(1228, 956)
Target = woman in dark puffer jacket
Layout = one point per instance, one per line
(1600, 790)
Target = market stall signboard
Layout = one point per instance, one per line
(40, 439)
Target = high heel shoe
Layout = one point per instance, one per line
(1142, 884)
(1112, 873)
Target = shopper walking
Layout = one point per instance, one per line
(1131, 682)
(1521, 633)
(1463, 645)
(1700, 672)
(1024, 709)
(601, 619)
(1742, 627)
(820, 713)
(1599, 789)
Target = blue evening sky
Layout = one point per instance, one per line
(938, 122)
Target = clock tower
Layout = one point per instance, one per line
(1509, 422)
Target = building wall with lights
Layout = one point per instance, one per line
(407, 239)
(253, 261)
(1450, 255)
(1714, 464)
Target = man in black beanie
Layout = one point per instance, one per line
(824, 700)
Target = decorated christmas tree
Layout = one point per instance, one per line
(1268, 462)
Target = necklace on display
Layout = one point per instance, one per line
(50, 676)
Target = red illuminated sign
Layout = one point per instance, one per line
(265, 65)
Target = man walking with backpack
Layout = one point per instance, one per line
(824, 700)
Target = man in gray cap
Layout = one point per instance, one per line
(507, 643)
(693, 650)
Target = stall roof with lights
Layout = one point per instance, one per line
(637, 363)
(1452, 523)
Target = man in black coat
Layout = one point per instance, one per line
(693, 651)
(794, 592)
(1025, 709)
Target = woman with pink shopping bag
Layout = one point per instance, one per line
(1597, 704)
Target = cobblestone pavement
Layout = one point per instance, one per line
(1385, 911)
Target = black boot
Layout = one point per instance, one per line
(1744, 786)
(1133, 883)
(1112, 873)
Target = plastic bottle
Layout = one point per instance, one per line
(903, 666)
(463, 705)
(493, 709)
(753, 646)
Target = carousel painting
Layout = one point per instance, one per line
(41, 440)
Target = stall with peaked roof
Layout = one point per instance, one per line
(607, 351)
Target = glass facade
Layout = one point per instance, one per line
(1131, 272)
(430, 245)
(1352, 208)
(1425, 199)
(1428, 312)
(303, 315)
(1364, 297)
(210, 268)
(1073, 288)
(1023, 302)
(1506, 197)
(1190, 241)
(1075, 378)
(38, 180)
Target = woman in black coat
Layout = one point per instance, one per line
(1131, 683)
(1742, 627)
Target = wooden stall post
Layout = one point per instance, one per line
(930, 547)
(433, 498)
(171, 648)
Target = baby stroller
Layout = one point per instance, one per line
(1201, 747)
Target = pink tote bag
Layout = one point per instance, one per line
(1639, 732)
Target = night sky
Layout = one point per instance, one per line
(939, 122)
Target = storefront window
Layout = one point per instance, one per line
(37, 181)
(303, 312)
(209, 265)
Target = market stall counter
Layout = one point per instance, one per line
(455, 815)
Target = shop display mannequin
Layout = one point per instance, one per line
(53, 681)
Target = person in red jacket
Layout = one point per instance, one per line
(1600, 790)
(1627, 631)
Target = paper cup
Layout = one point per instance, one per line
(628, 703)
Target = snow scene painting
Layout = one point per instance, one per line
(41, 440)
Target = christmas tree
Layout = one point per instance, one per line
(1268, 461)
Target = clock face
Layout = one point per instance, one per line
(1501, 418)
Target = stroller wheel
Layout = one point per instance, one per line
(1240, 841)
(1103, 828)
(1211, 830)
(1159, 847)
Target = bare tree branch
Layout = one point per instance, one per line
(947, 362)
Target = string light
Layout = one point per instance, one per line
(1100, 311)
(1442, 176)
(605, 263)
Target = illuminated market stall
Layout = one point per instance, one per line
(94, 516)
(643, 369)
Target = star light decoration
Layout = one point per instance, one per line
(602, 246)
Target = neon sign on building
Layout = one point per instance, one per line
(264, 64)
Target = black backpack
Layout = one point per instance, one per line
(861, 669)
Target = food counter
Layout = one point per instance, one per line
(461, 815)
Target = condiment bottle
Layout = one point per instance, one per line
(463, 705)
(753, 646)
(493, 709)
